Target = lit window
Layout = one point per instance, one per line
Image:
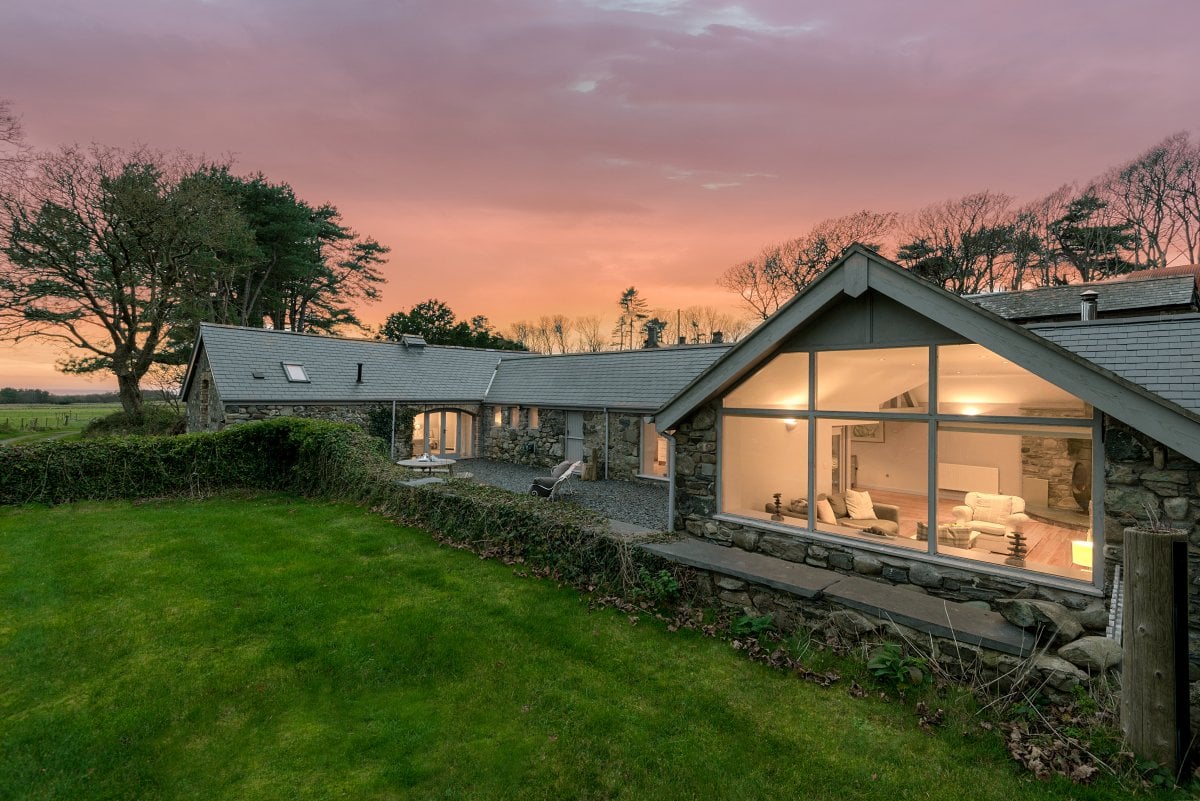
(533, 417)
(514, 416)
(295, 373)
(498, 418)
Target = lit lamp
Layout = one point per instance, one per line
(1081, 552)
(790, 423)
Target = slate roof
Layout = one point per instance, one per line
(1161, 354)
(632, 379)
(1130, 295)
(390, 370)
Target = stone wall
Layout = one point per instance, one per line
(359, 414)
(1144, 482)
(204, 409)
(541, 446)
(544, 446)
(1053, 669)
(1054, 459)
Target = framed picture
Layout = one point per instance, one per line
(867, 432)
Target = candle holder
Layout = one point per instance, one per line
(778, 507)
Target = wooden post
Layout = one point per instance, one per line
(1149, 682)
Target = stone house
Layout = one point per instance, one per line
(998, 457)
(449, 401)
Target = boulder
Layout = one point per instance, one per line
(1059, 673)
(1047, 616)
(851, 623)
(1094, 617)
(867, 565)
(923, 575)
(1093, 654)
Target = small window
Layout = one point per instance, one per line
(498, 419)
(533, 418)
(514, 416)
(295, 373)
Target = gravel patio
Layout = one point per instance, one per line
(640, 503)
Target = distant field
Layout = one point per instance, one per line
(29, 422)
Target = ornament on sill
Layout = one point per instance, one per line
(1016, 549)
(778, 507)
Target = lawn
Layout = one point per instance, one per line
(278, 648)
(30, 422)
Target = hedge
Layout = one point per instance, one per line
(318, 459)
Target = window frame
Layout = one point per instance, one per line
(1091, 426)
(291, 376)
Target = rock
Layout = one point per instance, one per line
(841, 560)
(1056, 621)
(851, 623)
(1122, 446)
(730, 583)
(1094, 618)
(782, 547)
(1176, 508)
(984, 605)
(1093, 654)
(1129, 500)
(924, 575)
(746, 539)
(1059, 673)
(867, 565)
(1120, 474)
(896, 575)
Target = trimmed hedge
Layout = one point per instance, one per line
(321, 459)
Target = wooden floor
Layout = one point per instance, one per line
(1049, 544)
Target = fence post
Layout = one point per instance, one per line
(1151, 686)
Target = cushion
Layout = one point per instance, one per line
(825, 512)
(560, 468)
(992, 508)
(859, 505)
(838, 502)
(799, 506)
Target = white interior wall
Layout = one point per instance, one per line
(759, 456)
(898, 463)
(985, 450)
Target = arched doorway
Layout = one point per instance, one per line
(444, 432)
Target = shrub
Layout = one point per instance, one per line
(322, 459)
(154, 420)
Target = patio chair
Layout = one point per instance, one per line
(549, 486)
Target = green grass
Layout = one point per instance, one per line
(280, 648)
(30, 422)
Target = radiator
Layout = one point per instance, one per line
(968, 478)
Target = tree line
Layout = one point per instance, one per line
(119, 254)
(11, 395)
(1139, 214)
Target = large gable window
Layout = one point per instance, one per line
(950, 450)
(295, 372)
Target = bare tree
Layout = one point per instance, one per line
(960, 244)
(780, 271)
(560, 327)
(1144, 192)
(588, 336)
(519, 332)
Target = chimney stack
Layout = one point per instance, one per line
(717, 338)
(359, 379)
(1090, 305)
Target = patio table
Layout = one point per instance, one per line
(428, 465)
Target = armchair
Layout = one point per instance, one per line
(993, 516)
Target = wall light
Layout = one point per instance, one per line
(790, 423)
(970, 411)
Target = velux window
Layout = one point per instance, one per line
(295, 373)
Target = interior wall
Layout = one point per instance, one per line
(900, 462)
(759, 456)
(985, 450)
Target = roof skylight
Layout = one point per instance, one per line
(295, 373)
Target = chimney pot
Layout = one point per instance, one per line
(717, 338)
(1089, 304)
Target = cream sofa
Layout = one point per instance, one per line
(993, 516)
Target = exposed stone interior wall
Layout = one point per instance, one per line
(1142, 479)
(1054, 459)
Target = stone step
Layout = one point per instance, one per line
(926, 613)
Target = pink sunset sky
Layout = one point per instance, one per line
(529, 157)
